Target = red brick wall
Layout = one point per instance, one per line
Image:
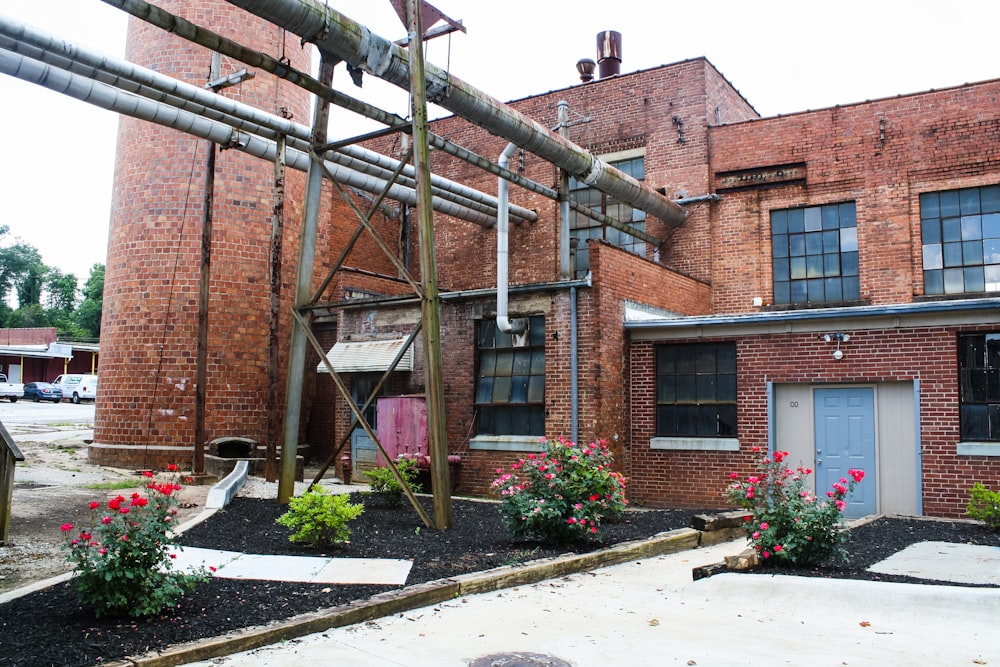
(932, 141)
(927, 355)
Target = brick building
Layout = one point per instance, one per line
(829, 292)
(834, 301)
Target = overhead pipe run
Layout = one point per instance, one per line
(132, 78)
(210, 40)
(113, 99)
(336, 34)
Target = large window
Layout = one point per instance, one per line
(979, 386)
(814, 252)
(696, 390)
(960, 233)
(583, 228)
(510, 381)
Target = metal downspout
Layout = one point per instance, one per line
(566, 270)
(334, 33)
(574, 369)
(503, 323)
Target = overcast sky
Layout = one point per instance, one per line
(783, 55)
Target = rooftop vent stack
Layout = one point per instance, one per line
(609, 53)
(586, 68)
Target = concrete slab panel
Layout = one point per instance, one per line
(945, 561)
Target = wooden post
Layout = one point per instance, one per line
(437, 439)
(9, 456)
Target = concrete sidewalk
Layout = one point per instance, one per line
(650, 612)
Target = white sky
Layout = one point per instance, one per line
(783, 55)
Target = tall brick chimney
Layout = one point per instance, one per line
(145, 411)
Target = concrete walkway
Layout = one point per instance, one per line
(651, 613)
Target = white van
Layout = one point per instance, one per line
(77, 387)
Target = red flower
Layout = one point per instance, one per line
(594, 497)
(66, 527)
(94, 505)
(114, 504)
(147, 473)
(172, 467)
(857, 475)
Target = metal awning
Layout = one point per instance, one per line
(367, 356)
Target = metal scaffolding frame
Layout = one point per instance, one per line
(131, 90)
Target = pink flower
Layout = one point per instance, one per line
(766, 554)
(857, 475)
(756, 535)
(733, 475)
(66, 527)
(593, 529)
(764, 526)
(106, 520)
(777, 548)
(102, 551)
(840, 504)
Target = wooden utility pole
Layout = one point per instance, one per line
(437, 438)
(205, 274)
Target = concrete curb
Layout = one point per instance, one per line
(433, 592)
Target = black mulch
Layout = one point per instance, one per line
(50, 627)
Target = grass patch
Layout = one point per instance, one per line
(113, 485)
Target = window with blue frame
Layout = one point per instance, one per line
(510, 379)
(696, 390)
(960, 238)
(979, 386)
(814, 254)
(583, 229)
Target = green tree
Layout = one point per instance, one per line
(88, 313)
(60, 291)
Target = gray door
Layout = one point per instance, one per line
(845, 439)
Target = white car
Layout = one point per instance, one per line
(77, 387)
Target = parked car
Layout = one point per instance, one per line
(42, 391)
(77, 387)
(10, 390)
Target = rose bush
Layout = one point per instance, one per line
(122, 561)
(561, 494)
(787, 522)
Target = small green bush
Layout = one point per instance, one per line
(320, 518)
(984, 505)
(385, 486)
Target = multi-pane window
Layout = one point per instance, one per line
(583, 228)
(510, 380)
(696, 390)
(979, 386)
(814, 251)
(960, 233)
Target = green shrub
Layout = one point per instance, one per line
(984, 505)
(787, 523)
(320, 518)
(385, 486)
(122, 561)
(562, 494)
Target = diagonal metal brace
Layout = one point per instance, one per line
(345, 392)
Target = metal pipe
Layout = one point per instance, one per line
(127, 76)
(505, 325)
(183, 28)
(108, 97)
(336, 34)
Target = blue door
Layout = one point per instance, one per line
(845, 439)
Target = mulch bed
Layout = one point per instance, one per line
(50, 627)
